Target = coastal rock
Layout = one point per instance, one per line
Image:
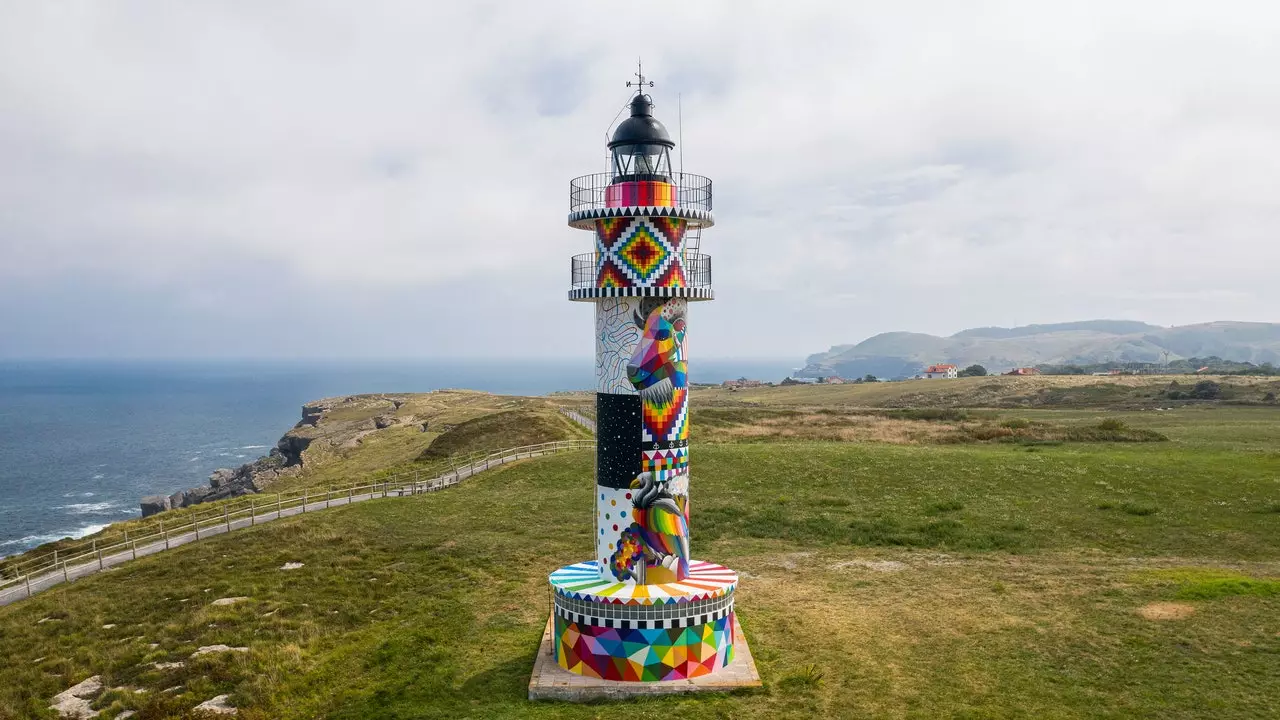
(291, 447)
(74, 701)
(152, 504)
(311, 413)
(217, 705)
(211, 649)
(220, 477)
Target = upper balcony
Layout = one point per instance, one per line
(682, 195)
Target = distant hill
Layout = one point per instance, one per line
(899, 354)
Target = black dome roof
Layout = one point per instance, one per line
(641, 127)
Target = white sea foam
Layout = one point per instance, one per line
(242, 456)
(79, 494)
(99, 476)
(34, 540)
(253, 447)
(98, 508)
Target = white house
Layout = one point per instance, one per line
(934, 372)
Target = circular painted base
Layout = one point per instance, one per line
(629, 632)
(636, 655)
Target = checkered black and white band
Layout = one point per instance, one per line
(689, 293)
(658, 616)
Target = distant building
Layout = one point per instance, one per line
(935, 372)
(740, 383)
(833, 380)
(798, 381)
(1024, 371)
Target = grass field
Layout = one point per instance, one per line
(1044, 391)
(1110, 580)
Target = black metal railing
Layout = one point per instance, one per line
(588, 192)
(582, 270)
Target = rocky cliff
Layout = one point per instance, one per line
(336, 422)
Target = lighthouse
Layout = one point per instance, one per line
(642, 608)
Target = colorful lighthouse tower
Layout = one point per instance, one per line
(642, 609)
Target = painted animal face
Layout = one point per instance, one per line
(658, 366)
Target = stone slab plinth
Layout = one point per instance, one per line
(552, 682)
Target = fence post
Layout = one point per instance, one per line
(99, 558)
(327, 493)
(135, 549)
(304, 499)
(277, 506)
(350, 494)
(253, 513)
(165, 533)
(28, 584)
(55, 558)
(65, 576)
(227, 517)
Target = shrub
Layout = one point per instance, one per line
(944, 506)
(940, 414)
(988, 432)
(1016, 423)
(807, 679)
(1206, 390)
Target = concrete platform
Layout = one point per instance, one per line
(552, 682)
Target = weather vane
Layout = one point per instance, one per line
(639, 74)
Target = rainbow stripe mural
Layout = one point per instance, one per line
(641, 193)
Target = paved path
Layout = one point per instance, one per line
(581, 419)
(45, 581)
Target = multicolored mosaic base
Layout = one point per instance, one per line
(644, 655)
(640, 252)
(639, 194)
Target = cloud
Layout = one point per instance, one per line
(300, 178)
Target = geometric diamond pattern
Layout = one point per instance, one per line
(640, 655)
(639, 252)
(673, 277)
(642, 253)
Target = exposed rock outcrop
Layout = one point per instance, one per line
(152, 504)
(74, 702)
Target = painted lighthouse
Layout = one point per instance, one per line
(642, 609)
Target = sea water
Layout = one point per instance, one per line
(82, 442)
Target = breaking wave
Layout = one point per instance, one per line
(31, 541)
(98, 508)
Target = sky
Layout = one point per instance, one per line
(389, 179)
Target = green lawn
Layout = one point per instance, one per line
(878, 581)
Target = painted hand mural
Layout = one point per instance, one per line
(658, 538)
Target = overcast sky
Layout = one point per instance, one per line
(388, 179)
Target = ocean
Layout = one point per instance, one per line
(81, 442)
